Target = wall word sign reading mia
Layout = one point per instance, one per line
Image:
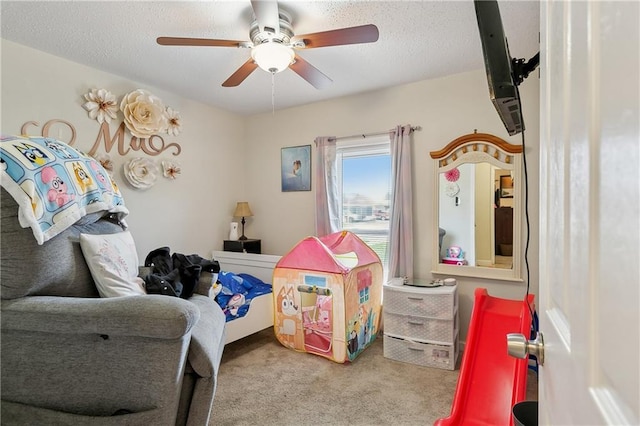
(153, 145)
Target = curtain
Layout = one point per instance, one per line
(401, 222)
(326, 186)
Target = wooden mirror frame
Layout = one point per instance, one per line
(480, 148)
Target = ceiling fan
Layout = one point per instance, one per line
(273, 44)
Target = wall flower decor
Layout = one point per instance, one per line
(144, 113)
(174, 122)
(141, 172)
(171, 169)
(101, 105)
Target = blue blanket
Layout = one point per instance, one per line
(237, 292)
(54, 184)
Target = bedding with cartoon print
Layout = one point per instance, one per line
(235, 292)
(55, 185)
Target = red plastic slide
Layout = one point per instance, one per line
(491, 382)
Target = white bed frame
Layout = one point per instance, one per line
(260, 314)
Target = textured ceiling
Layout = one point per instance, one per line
(418, 40)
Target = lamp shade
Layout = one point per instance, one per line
(272, 57)
(242, 209)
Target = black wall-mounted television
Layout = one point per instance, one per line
(504, 73)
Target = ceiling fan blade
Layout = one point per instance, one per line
(240, 74)
(187, 41)
(352, 35)
(267, 15)
(310, 73)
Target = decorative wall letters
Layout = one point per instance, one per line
(152, 146)
(145, 115)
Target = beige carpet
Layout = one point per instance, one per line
(262, 382)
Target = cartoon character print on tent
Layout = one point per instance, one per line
(327, 296)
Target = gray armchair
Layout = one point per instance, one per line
(70, 357)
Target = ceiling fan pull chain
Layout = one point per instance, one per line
(273, 93)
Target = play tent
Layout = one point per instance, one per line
(327, 294)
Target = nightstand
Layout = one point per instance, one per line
(243, 246)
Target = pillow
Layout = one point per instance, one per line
(113, 262)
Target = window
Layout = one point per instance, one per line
(364, 182)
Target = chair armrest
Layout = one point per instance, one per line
(153, 316)
(207, 339)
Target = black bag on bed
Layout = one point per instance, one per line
(168, 285)
(180, 272)
(191, 267)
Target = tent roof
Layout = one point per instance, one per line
(319, 254)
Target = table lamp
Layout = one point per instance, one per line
(242, 210)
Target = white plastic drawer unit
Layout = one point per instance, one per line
(421, 328)
(437, 302)
(419, 353)
(421, 324)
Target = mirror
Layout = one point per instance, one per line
(477, 208)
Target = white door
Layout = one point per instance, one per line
(590, 213)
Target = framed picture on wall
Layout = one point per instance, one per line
(296, 168)
(506, 186)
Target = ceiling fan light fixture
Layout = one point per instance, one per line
(272, 56)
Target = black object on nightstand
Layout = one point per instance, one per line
(240, 246)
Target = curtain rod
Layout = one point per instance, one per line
(413, 129)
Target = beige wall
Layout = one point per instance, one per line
(190, 214)
(226, 158)
(445, 109)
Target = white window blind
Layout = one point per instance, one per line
(364, 181)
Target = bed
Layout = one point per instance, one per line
(260, 314)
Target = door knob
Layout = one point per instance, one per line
(519, 347)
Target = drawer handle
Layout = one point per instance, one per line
(415, 298)
(416, 322)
